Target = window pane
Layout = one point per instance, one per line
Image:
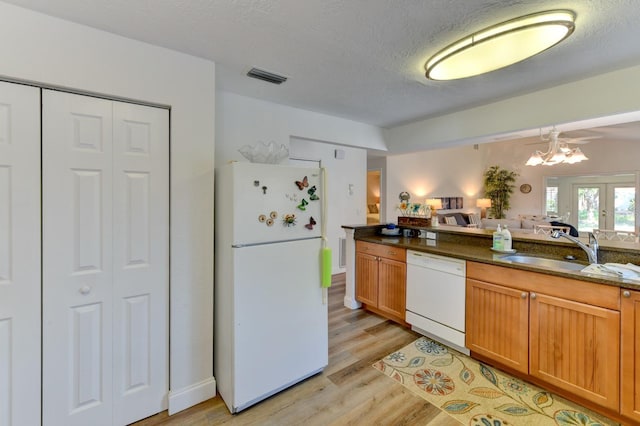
(588, 208)
(624, 206)
(552, 200)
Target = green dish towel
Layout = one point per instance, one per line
(326, 267)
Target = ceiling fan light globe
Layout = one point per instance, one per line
(577, 156)
(534, 160)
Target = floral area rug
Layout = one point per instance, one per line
(476, 394)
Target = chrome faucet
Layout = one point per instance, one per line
(591, 249)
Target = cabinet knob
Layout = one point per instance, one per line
(524, 295)
(84, 290)
(626, 293)
(533, 295)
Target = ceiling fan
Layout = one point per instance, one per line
(581, 140)
(559, 150)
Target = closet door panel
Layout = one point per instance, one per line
(77, 259)
(141, 259)
(19, 255)
(106, 257)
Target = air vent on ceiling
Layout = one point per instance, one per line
(266, 76)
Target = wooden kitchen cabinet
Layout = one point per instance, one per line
(367, 273)
(381, 273)
(630, 346)
(575, 346)
(497, 323)
(572, 329)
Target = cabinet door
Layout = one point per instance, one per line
(367, 279)
(575, 346)
(392, 288)
(630, 369)
(497, 323)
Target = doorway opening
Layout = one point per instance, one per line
(373, 197)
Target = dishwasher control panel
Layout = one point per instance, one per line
(435, 262)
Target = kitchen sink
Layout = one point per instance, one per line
(544, 262)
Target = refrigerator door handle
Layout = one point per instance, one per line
(272, 242)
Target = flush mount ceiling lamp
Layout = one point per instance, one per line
(501, 45)
(558, 152)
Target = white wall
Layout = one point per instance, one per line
(608, 94)
(453, 172)
(459, 171)
(343, 207)
(42, 49)
(605, 157)
(241, 120)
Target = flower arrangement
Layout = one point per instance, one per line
(414, 209)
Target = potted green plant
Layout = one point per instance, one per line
(498, 187)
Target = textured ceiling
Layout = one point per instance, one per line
(362, 59)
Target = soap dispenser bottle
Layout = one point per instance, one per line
(506, 239)
(498, 239)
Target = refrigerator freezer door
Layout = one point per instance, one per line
(280, 322)
(265, 192)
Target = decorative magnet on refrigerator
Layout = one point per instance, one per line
(289, 220)
(312, 194)
(312, 222)
(303, 205)
(302, 185)
(268, 220)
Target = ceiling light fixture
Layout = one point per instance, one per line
(558, 152)
(501, 45)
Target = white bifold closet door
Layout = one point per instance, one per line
(19, 255)
(105, 260)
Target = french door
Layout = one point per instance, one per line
(105, 260)
(605, 206)
(19, 255)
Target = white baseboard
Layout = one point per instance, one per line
(351, 303)
(191, 395)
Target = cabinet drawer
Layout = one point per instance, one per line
(381, 250)
(602, 295)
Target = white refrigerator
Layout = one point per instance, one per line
(270, 326)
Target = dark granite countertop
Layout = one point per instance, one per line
(478, 250)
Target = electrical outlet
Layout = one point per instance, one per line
(431, 235)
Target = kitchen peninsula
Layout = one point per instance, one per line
(571, 332)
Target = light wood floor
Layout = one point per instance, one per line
(348, 392)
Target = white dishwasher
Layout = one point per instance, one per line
(436, 297)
